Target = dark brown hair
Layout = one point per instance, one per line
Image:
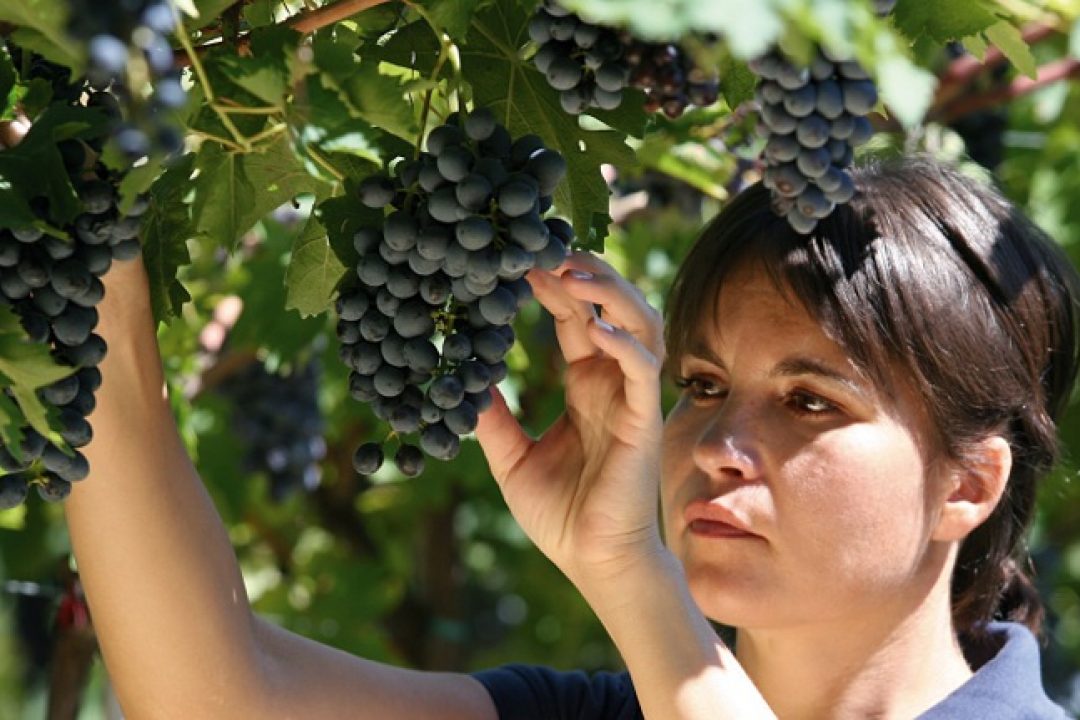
(933, 276)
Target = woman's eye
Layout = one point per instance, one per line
(699, 388)
(806, 403)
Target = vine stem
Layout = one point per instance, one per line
(306, 23)
(966, 68)
(309, 22)
(325, 164)
(444, 53)
(204, 80)
(1048, 74)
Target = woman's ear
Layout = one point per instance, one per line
(975, 485)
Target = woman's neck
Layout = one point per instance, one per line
(877, 666)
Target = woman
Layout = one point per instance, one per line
(846, 480)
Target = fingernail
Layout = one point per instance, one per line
(606, 327)
(580, 274)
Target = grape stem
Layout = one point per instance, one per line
(444, 53)
(305, 23)
(204, 80)
(309, 22)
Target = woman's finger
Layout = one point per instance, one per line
(641, 371)
(571, 315)
(624, 305)
(501, 438)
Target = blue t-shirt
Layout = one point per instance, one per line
(1007, 685)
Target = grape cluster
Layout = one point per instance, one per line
(425, 324)
(670, 78)
(812, 119)
(584, 62)
(130, 39)
(53, 285)
(277, 419)
(590, 65)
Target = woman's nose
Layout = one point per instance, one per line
(728, 444)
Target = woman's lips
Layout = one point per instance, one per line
(716, 529)
(709, 518)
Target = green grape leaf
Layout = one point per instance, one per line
(906, 88)
(234, 191)
(737, 82)
(34, 168)
(977, 46)
(10, 89)
(206, 11)
(27, 366)
(267, 72)
(378, 99)
(11, 422)
(314, 271)
(167, 227)
(260, 13)
(748, 28)
(262, 323)
(453, 16)
(1009, 40)
(943, 20)
(322, 119)
(342, 216)
(39, 27)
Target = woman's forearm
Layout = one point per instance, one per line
(680, 667)
(163, 584)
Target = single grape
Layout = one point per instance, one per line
(13, 490)
(409, 460)
(376, 191)
(368, 458)
(437, 441)
(461, 419)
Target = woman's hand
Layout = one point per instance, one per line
(586, 491)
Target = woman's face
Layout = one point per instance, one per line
(779, 429)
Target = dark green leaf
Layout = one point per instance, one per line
(453, 16)
(943, 20)
(10, 90)
(167, 227)
(40, 28)
(314, 271)
(262, 323)
(266, 73)
(34, 167)
(234, 191)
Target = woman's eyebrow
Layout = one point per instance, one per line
(805, 365)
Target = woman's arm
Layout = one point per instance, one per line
(162, 581)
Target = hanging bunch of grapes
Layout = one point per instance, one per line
(590, 65)
(126, 45)
(277, 419)
(425, 322)
(52, 283)
(812, 118)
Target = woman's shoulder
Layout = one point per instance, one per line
(1007, 680)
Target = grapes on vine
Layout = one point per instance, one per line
(277, 419)
(123, 39)
(52, 284)
(590, 65)
(812, 119)
(425, 320)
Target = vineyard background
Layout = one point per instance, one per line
(292, 103)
